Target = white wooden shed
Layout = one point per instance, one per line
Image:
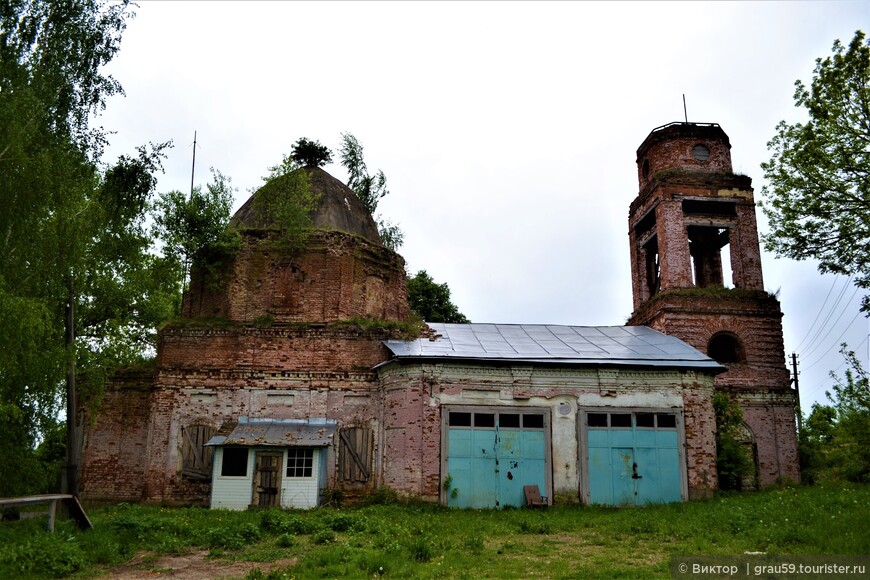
(270, 462)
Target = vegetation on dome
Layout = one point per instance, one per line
(307, 153)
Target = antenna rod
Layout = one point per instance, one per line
(684, 108)
(193, 167)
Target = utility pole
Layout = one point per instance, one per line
(797, 391)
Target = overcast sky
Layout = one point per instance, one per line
(507, 130)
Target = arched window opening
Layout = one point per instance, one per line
(726, 348)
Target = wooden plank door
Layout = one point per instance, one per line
(267, 479)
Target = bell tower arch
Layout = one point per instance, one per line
(696, 274)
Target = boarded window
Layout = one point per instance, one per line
(195, 456)
(300, 462)
(355, 454)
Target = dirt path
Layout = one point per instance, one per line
(192, 566)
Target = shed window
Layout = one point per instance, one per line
(509, 420)
(235, 462)
(300, 462)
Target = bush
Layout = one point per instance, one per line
(280, 522)
(323, 536)
(733, 463)
(286, 540)
(233, 538)
(341, 522)
(46, 555)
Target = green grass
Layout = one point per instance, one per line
(423, 541)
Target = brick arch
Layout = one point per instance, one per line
(726, 347)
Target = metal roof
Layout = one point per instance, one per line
(276, 432)
(546, 343)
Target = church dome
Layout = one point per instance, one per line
(338, 208)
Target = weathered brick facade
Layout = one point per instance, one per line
(689, 207)
(273, 333)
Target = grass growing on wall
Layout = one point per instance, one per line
(423, 541)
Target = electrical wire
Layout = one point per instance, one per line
(817, 343)
(819, 313)
(836, 342)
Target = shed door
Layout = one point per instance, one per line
(633, 458)
(491, 455)
(267, 479)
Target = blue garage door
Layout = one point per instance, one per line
(634, 458)
(491, 455)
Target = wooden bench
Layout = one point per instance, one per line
(71, 502)
(533, 496)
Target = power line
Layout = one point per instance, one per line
(816, 342)
(819, 313)
(836, 342)
(819, 386)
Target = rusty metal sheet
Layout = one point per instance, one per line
(250, 432)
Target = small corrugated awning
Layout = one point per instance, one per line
(276, 432)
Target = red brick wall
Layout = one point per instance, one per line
(274, 348)
(116, 440)
(672, 147)
(336, 277)
(700, 424)
(771, 418)
(414, 395)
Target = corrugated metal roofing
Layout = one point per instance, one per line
(276, 432)
(546, 343)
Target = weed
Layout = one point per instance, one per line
(323, 536)
(420, 548)
(473, 544)
(541, 528)
(233, 538)
(382, 496)
(286, 540)
(339, 522)
(44, 555)
(414, 540)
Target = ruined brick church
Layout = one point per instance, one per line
(291, 376)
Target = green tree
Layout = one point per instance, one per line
(835, 440)
(79, 292)
(191, 225)
(733, 463)
(370, 189)
(814, 441)
(850, 447)
(818, 197)
(431, 300)
(285, 201)
(310, 153)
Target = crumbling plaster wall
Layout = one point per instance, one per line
(415, 395)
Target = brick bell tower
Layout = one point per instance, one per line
(694, 217)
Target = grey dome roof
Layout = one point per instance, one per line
(338, 208)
